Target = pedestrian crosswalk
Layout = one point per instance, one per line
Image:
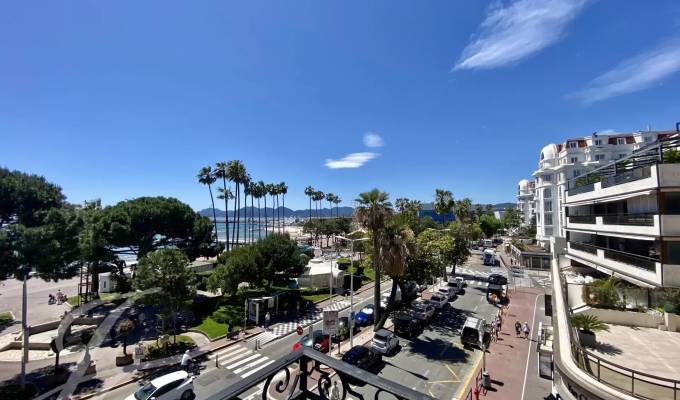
(477, 278)
(241, 360)
(284, 328)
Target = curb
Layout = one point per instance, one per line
(135, 379)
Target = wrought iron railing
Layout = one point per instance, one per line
(582, 219)
(588, 248)
(631, 259)
(629, 219)
(627, 176)
(291, 377)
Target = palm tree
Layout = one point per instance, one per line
(253, 194)
(397, 242)
(264, 191)
(309, 192)
(372, 212)
(206, 177)
(329, 199)
(337, 200)
(237, 174)
(221, 172)
(402, 204)
(283, 189)
(443, 202)
(226, 195)
(271, 189)
(318, 196)
(246, 192)
(463, 208)
(277, 191)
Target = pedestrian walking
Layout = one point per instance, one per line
(186, 361)
(267, 317)
(498, 333)
(335, 391)
(498, 325)
(494, 337)
(518, 328)
(525, 329)
(500, 318)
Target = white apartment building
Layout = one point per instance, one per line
(575, 157)
(525, 200)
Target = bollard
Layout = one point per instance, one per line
(217, 364)
(486, 380)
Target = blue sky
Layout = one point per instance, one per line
(115, 100)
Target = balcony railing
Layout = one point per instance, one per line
(629, 219)
(627, 176)
(581, 189)
(308, 374)
(582, 219)
(631, 259)
(588, 248)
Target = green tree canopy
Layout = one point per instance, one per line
(25, 198)
(278, 258)
(241, 265)
(166, 269)
(489, 225)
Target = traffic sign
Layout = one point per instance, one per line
(330, 322)
(299, 330)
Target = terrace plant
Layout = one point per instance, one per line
(603, 293)
(671, 156)
(588, 323)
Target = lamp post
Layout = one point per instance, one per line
(351, 288)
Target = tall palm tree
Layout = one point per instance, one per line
(264, 191)
(318, 197)
(463, 208)
(283, 189)
(329, 199)
(259, 192)
(237, 174)
(277, 191)
(253, 194)
(397, 242)
(443, 202)
(226, 195)
(401, 204)
(221, 172)
(373, 210)
(337, 200)
(309, 192)
(246, 192)
(271, 190)
(206, 177)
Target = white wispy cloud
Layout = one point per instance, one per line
(372, 139)
(634, 74)
(517, 30)
(352, 160)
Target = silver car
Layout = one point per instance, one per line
(422, 311)
(384, 341)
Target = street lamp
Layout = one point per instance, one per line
(351, 288)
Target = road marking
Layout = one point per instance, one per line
(245, 360)
(533, 322)
(464, 388)
(451, 371)
(250, 365)
(252, 371)
(236, 357)
(229, 352)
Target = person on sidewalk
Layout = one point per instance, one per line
(186, 361)
(335, 391)
(267, 317)
(525, 329)
(518, 328)
(494, 336)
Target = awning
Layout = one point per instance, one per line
(610, 198)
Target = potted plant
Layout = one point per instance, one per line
(587, 325)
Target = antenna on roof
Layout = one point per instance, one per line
(649, 127)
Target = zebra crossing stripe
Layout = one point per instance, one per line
(250, 365)
(252, 371)
(245, 360)
(236, 357)
(229, 351)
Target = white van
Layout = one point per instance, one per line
(457, 284)
(447, 291)
(488, 243)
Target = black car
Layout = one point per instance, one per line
(406, 325)
(497, 279)
(343, 330)
(411, 288)
(362, 357)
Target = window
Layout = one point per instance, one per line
(671, 203)
(548, 219)
(547, 178)
(547, 205)
(672, 253)
(573, 160)
(598, 142)
(576, 173)
(648, 139)
(620, 140)
(599, 157)
(547, 193)
(621, 156)
(167, 388)
(572, 145)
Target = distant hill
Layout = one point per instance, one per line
(325, 212)
(498, 206)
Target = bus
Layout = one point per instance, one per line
(489, 258)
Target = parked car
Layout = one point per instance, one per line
(386, 297)
(456, 284)
(498, 279)
(362, 357)
(420, 288)
(172, 386)
(365, 316)
(516, 270)
(317, 341)
(422, 311)
(439, 301)
(411, 288)
(384, 342)
(474, 333)
(447, 291)
(407, 325)
(343, 330)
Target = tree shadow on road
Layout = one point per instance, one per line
(437, 349)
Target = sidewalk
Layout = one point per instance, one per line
(508, 356)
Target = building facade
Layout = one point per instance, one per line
(525, 200)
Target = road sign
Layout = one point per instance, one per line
(299, 330)
(330, 322)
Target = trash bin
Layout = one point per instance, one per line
(486, 380)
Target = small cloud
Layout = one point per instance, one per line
(515, 31)
(353, 160)
(372, 139)
(634, 74)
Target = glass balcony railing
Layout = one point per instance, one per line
(629, 219)
(627, 176)
(588, 248)
(582, 219)
(635, 260)
(581, 189)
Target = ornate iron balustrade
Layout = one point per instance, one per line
(588, 248)
(582, 219)
(629, 219)
(289, 378)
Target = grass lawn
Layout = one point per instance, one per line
(73, 300)
(369, 273)
(5, 318)
(316, 297)
(211, 328)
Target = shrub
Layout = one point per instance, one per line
(603, 293)
(671, 156)
(588, 323)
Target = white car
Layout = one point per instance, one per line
(423, 311)
(384, 341)
(447, 291)
(173, 386)
(439, 301)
